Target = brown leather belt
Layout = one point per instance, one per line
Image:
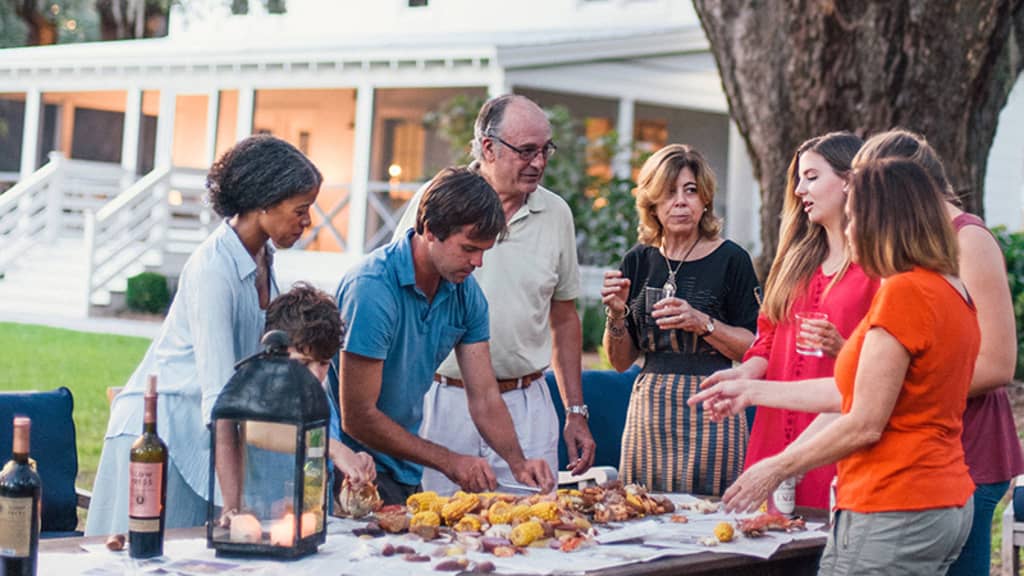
(521, 383)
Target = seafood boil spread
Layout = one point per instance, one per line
(499, 526)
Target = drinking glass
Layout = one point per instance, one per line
(652, 296)
(806, 345)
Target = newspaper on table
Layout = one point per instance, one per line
(343, 553)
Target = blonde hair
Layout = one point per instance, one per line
(658, 177)
(900, 219)
(803, 245)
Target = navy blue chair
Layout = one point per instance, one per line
(606, 394)
(53, 447)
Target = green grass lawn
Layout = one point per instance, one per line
(42, 358)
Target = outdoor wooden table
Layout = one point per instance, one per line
(797, 558)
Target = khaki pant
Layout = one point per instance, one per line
(446, 421)
(896, 543)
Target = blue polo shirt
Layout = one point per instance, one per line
(388, 318)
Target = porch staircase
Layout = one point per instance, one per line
(47, 280)
(72, 233)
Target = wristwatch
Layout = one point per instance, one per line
(580, 409)
(709, 328)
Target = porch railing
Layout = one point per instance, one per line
(123, 231)
(386, 202)
(163, 213)
(30, 211)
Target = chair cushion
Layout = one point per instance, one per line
(53, 447)
(606, 393)
(1018, 503)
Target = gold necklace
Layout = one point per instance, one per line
(670, 283)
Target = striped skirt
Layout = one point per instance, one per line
(668, 446)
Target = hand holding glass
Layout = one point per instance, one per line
(808, 344)
(652, 296)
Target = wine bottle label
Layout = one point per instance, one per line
(144, 499)
(15, 527)
(143, 524)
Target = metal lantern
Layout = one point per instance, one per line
(272, 417)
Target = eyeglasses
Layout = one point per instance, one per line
(528, 153)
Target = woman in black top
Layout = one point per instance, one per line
(685, 299)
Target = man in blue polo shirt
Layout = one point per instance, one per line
(406, 306)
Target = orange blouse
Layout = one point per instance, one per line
(919, 461)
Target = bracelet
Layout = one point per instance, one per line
(616, 331)
(608, 313)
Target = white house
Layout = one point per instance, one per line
(135, 123)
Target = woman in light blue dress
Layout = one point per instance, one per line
(264, 189)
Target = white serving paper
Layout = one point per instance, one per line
(345, 554)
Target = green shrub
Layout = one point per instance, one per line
(147, 292)
(593, 326)
(1012, 244)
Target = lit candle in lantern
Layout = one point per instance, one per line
(283, 530)
(245, 528)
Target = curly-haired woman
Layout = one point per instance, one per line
(263, 188)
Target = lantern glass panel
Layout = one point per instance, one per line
(267, 496)
(314, 490)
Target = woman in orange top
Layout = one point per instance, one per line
(904, 493)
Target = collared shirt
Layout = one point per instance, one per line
(214, 321)
(387, 317)
(535, 264)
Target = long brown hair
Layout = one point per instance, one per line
(803, 245)
(899, 219)
(657, 178)
(900, 143)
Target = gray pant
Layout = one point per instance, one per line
(894, 543)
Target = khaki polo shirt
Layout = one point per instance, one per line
(535, 264)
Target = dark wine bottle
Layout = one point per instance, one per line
(148, 492)
(20, 491)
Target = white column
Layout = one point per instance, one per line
(360, 169)
(624, 126)
(130, 134)
(499, 84)
(212, 120)
(30, 133)
(743, 198)
(246, 108)
(165, 128)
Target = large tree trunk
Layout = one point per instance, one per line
(120, 19)
(41, 27)
(796, 69)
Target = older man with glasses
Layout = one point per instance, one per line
(531, 281)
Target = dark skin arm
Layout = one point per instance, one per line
(228, 464)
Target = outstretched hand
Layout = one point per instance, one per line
(753, 487)
(725, 398)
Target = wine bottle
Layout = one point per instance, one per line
(20, 491)
(148, 491)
